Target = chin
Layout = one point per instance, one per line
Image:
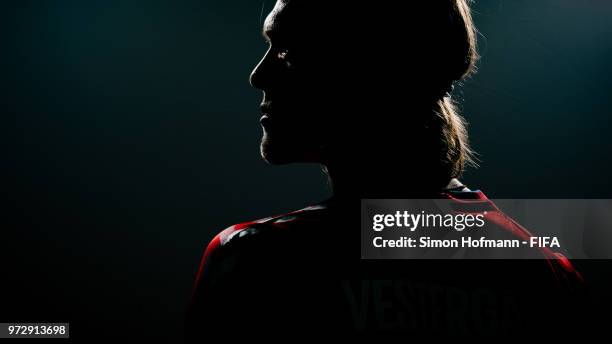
(282, 149)
(274, 153)
(279, 151)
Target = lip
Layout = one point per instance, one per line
(265, 119)
(265, 107)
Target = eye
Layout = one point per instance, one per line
(282, 54)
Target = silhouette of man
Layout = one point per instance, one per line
(363, 90)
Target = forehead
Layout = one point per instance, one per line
(297, 21)
(291, 17)
(275, 17)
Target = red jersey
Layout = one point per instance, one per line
(302, 271)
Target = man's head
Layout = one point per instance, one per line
(345, 79)
(293, 83)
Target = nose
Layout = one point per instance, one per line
(260, 75)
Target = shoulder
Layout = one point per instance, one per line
(251, 236)
(251, 231)
(269, 225)
(562, 267)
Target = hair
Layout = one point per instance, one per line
(457, 153)
(441, 49)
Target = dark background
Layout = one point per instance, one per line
(130, 137)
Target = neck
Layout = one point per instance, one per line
(370, 183)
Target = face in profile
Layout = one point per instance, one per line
(290, 76)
